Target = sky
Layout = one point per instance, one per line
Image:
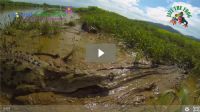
(147, 10)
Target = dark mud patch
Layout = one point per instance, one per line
(53, 75)
(89, 92)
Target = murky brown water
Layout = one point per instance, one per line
(73, 38)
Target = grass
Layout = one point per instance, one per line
(177, 97)
(44, 28)
(52, 13)
(8, 4)
(160, 45)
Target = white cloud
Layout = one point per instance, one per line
(126, 8)
(157, 14)
(130, 9)
(125, 2)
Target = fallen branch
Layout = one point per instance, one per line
(47, 54)
(126, 67)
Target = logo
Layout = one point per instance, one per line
(179, 14)
(68, 10)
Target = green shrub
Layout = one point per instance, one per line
(159, 44)
(45, 28)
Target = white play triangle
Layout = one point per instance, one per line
(100, 53)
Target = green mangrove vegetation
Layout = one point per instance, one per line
(162, 46)
(149, 41)
(8, 4)
(42, 28)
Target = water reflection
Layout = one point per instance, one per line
(7, 16)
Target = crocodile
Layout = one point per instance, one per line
(28, 73)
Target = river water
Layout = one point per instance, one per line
(61, 45)
(7, 16)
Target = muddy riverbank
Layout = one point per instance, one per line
(51, 70)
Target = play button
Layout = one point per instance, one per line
(102, 53)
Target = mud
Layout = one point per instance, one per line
(52, 70)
